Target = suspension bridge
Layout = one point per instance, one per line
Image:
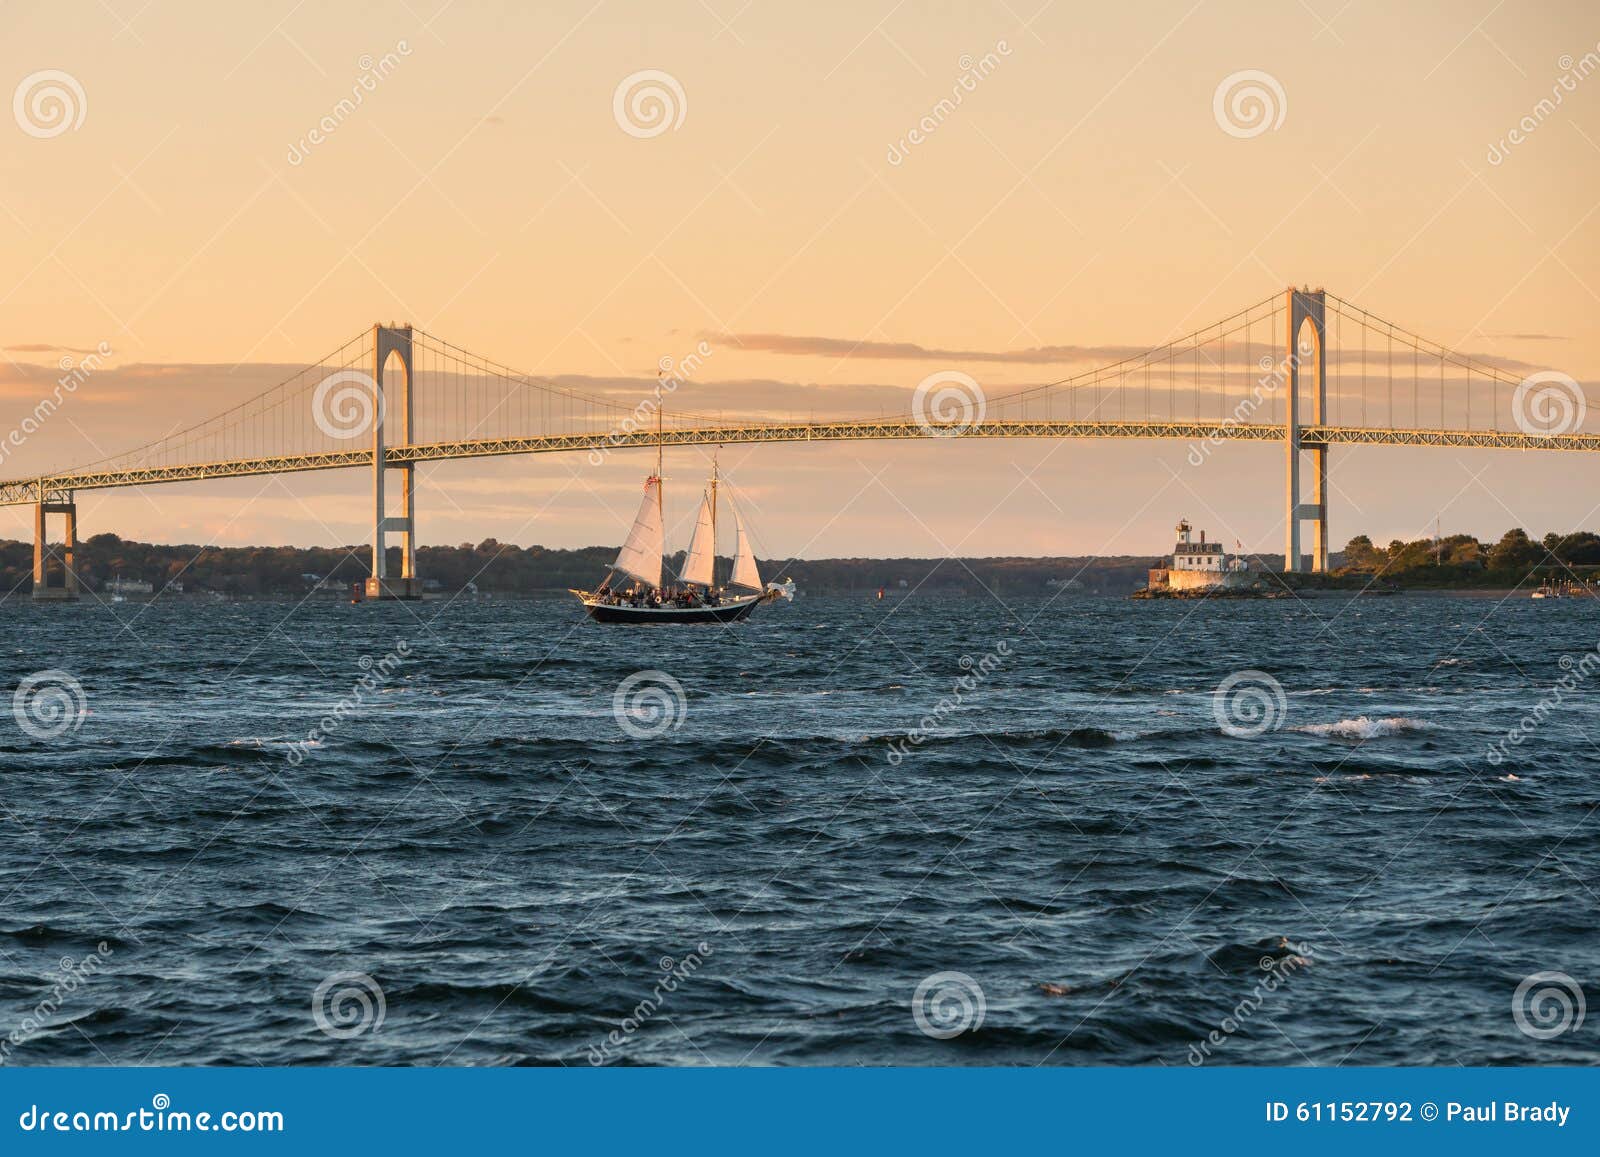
(1302, 367)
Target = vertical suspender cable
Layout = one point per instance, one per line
(1222, 384)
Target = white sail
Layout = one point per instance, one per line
(701, 561)
(745, 573)
(641, 554)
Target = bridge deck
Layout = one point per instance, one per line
(27, 490)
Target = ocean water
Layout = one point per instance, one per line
(915, 831)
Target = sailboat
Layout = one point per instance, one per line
(639, 590)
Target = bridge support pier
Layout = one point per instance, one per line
(392, 406)
(41, 549)
(1306, 308)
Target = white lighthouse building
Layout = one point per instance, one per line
(1198, 565)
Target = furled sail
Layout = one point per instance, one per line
(641, 554)
(745, 573)
(701, 561)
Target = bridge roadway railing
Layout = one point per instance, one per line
(16, 492)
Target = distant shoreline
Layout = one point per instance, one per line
(504, 570)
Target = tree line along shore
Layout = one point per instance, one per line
(505, 570)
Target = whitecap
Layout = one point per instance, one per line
(272, 741)
(1361, 727)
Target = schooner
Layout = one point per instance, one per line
(639, 589)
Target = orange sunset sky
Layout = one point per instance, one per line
(1085, 194)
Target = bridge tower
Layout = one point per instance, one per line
(1306, 307)
(391, 421)
(56, 502)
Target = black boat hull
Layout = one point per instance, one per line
(663, 616)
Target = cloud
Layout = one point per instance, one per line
(45, 348)
(1236, 354)
(120, 408)
(811, 346)
(756, 398)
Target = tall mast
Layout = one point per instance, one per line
(661, 510)
(714, 519)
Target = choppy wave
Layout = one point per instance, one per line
(1072, 832)
(1362, 727)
